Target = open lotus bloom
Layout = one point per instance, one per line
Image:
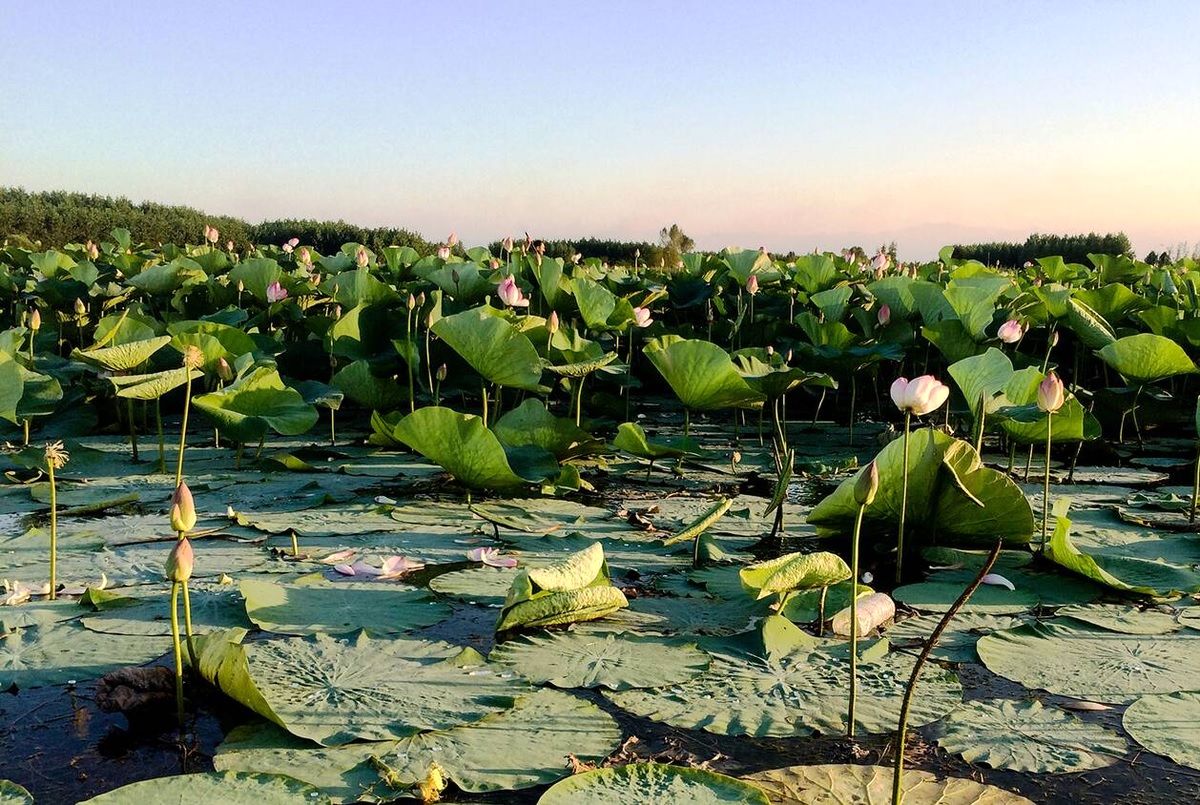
(1050, 394)
(642, 317)
(276, 293)
(919, 396)
(491, 557)
(510, 293)
(1010, 332)
(15, 593)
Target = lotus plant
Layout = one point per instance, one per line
(864, 495)
(178, 570)
(193, 358)
(56, 459)
(1196, 478)
(510, 293)
(1050, 398)
(183, 520)
(916, 397)
(1011, 332)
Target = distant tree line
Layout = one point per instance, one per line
(57, 217)
(1072, 249)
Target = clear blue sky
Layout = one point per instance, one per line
(784, 124)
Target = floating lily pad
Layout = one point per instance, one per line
(485, 585)
(211, 609)
(54, 654)
(228, 788)
(1123, 618)
(613, 661)
(939, 596)
(339, 607)
(651, 784)
(872, 785)
(37, 613)
(334, 692)
(1025, 736)
(1074, 659)
(1167, 725)
(777, 681)
(13, 794)
(699, 615)
(957, 643)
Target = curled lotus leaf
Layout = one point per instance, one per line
(795, 571)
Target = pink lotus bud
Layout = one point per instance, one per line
(443, 252)
(293, 242)
(287, 248)
(867, 485)
(229, 245)
(306, 256)
(92, 250)
(884, 316)
(752, 284)
(224, 370)
(510, 293)
(183, 509)
(1010, 332)
(919, 396)
(441, 373)
(642, 317)
(212, 234)
(552, 322)
(180, 561)
(35, 320)
(507, 244)
(452, 241)
(276, 292)
(361, 257)
(412, 302)
(1050, 394)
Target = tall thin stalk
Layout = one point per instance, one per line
(903, 502)
(53, 529)
(1046, 480)
(178, 649)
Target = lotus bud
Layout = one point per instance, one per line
(575, 258)
(361, 257)
(213, 235)
(80, 308)
(1050, 394)
(737, 457)
(93, 252)
(229, 245)
(193, 358)
(552, 323)
(454, 275)
(1028, 264)
(35, 320)
(493, 264)
(337, 311)
(306, 256)
(642, 317)
(276, 292)
(183, 510)
(884, 316)
(452, 241)
(441, 373)
(443, 252)
(57, 455)
(637, 252)
(1054, 339)
(287, 248)
(421, 299)
(752, 284)
(293, 242)
(770, 351)
(1010, 332)
(867, 485)
(224, 370)
(507, 244)
(919, 396)
(180, 561)
(241, 287)
(412, 301)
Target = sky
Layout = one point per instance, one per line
(790, 125)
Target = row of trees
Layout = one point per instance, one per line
(1072, 248)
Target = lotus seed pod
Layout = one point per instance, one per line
(183, 510)
(180, 561)
(57, 455)
(193, 358)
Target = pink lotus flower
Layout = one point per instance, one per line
(276, 292)
(93, 251)
(1010, 332)
(491, 557)
(443, 252)
(287, 248)
(306, 256)
(361, 257)
(1050, 394)
(452, 241)
(884, 316)
(879, 262)
(396, 566)
(337, 557)
(359, 568)
(293, 242)
(507, 244)
(642, 317)
(752, 284)
(211, 234)
(510, 293)
(229, 245)
(920, 395)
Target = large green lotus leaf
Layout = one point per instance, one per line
(612, 661)
(518, 748)
(315, 520)
(632, 439)
(493, 347)
(692, 616)
(358, 287)
(123, 357)
(215, 340)
(37, 613)
(1025, 736)
(361, 384)
(54, 654)
(1073, 659)
(40, 394)
(337, 691)
(228, 788)
(1167, 725)
(776, 681)
(12, 386)
(1022, 420)
(1113, 302)
(256, 274)
(213, 608)
(957, 643)
(651, 784)
(339, 607)
(152, 386)
(952, 339)
(13, 794)
(596, 303)
(571, 606)
(833, 784)
(701, 374)
(1123, 618)
(981, 378)
(947, 483)
(1145, 358)
(772, 377)
(530, 424)
(486, 586)
(255, 402)
(461, 444)
(794, 571)
(939, 596)
(581, 569)
(1088, 325)
(974, 301)
(1124, 573)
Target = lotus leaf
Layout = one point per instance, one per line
(632, 439)
(13, 794)
(651, 784)
(1167, 725)
(530, 424)
(256, 402)
(53, 654)
(339, 608)
(152, 386)
(794, 571)
(701, 374)
(612, 661)
(228, 788)
(872, 785)
(494, 348)
(460, 444)
(575, 588)
(124, 357)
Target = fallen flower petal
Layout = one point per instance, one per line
(997, 580)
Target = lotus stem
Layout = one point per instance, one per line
(178, 648)
(820, 402)
(187, 400)
(25, 427)
(484, 392)
(162, 445)
(53, 531)
(1195, 488)
(906, 704)
(262, 441)
(853, 400)
(903, 502)
(821, 611)
(332, 427)
(187, 621)
(854, 621)
(132, 429)
(981, 421)
(295, 544)
(1046, 480)
(429, 361)
(579, 400)
(412, 405)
